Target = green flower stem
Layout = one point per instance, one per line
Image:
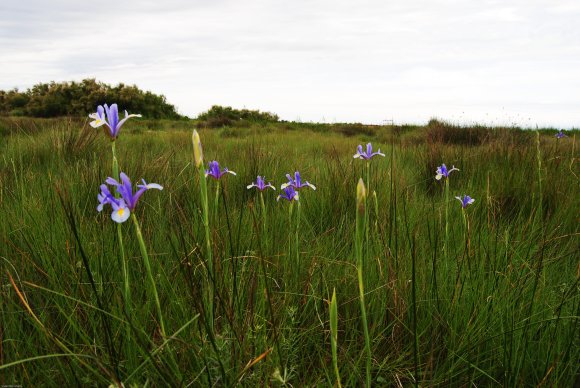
(126, 287)
(367, 212)
(334, 335)
(445, 246)
(124, 267)
(209, 258)
(263, 293)
(264, 216)
(467, 240)
(290, 223)
(361, 217)
(216, 202)
(149, 272)
(297, 239)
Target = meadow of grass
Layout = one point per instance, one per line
(498, 306)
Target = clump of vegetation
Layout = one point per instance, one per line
(438, 131)
(222, 116)
(81, 98)
(354, 129)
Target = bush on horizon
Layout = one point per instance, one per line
(221, 116)
(56, 99)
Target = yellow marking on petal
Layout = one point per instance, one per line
(120, 212)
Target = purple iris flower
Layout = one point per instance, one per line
(111, 120)
(466, 200)
(289, 194)
(260, 184)
(123, 206)
(443, 172)
(560, 134)
(214, 171)
(368, 154)
(296, 183)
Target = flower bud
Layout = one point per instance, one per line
(361, 195)
(197, 151)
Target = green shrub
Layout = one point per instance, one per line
(81, 98)
(221, 116)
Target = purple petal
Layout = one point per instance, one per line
(297, 180)
(126, 191)
(105, 190)
(136, 197)
(114, 119)
(214, 169)
(127, 117)
(112, 182)
(260, 183)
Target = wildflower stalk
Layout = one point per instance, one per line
(466, 232)
(149, 272)
(297, 241)
(264, 216)
(290, 230)
(446, 245)
(367, 212)
(263, 292)
(126, 288)
(216, 202)
(334, 335)
(198, 158)
(361, 217)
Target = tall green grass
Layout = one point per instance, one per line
(503, 312)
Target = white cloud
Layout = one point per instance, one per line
(501, 61)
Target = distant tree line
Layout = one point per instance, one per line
(81, 98)
(220, 116)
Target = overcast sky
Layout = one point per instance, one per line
(495, 62)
